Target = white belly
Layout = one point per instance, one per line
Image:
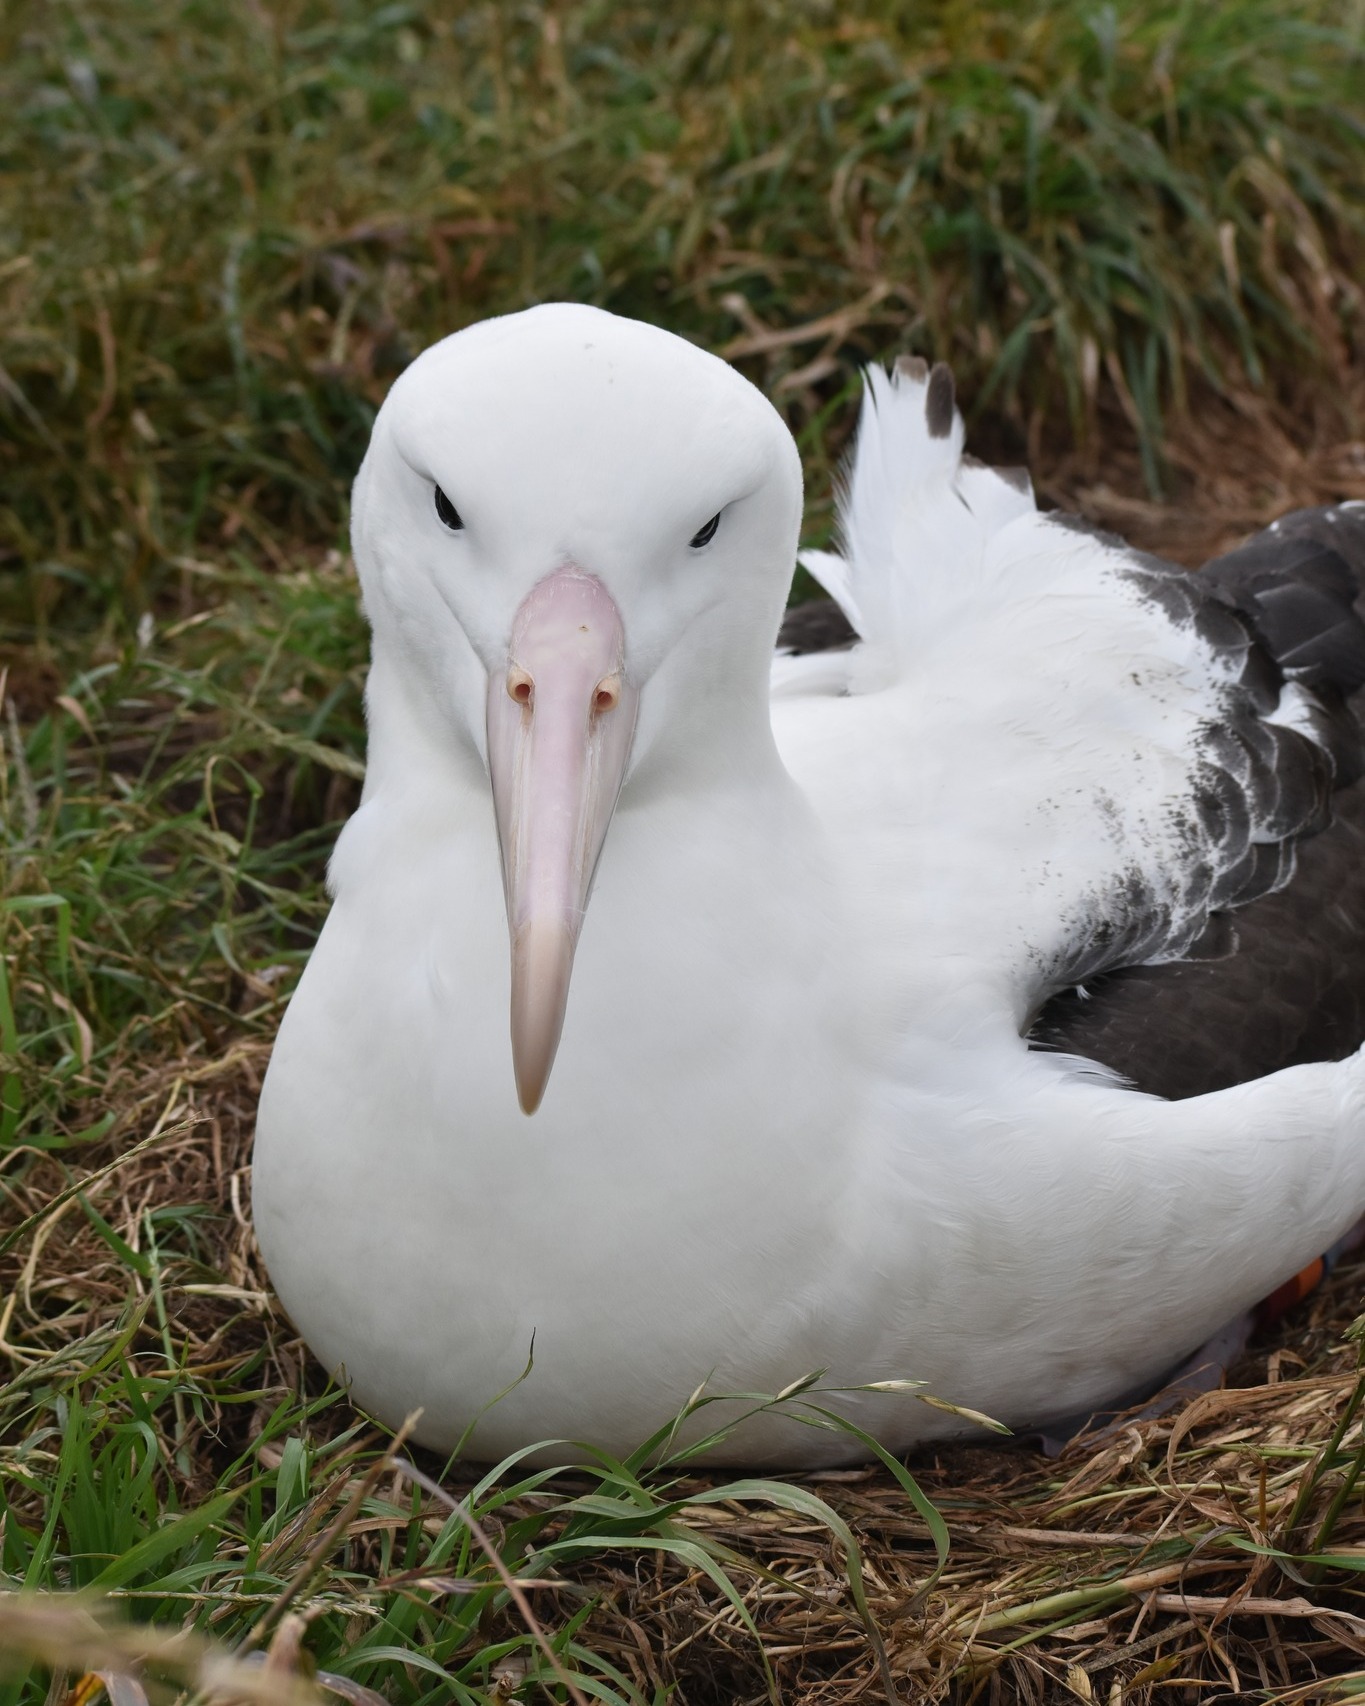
(672, 1212)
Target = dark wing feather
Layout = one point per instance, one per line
(1290, 989)
(819, 626)
(1280, 978)
(1300, 584)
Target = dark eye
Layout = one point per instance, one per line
(704, 535)
(449, 515)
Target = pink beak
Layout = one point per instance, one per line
(560, 726)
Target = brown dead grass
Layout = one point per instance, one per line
(1235, 463)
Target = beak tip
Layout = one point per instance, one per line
(530, 1095)
(542, 961)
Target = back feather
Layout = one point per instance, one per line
(1104, 755)
(915, 517)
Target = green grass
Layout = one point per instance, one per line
(342, 1531)
(222, 236)
(222, 231)
(165, 836)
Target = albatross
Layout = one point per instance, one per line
(964, 1000)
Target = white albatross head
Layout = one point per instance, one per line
(575, 535)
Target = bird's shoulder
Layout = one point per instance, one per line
(1087, 758)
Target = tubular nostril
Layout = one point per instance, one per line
(520, 686)
(607, 695)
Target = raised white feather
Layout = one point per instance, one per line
(915, 520)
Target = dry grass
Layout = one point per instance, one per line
(1236, 464)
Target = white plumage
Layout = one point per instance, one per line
(793, 1123)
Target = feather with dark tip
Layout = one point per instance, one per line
(940, 401)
